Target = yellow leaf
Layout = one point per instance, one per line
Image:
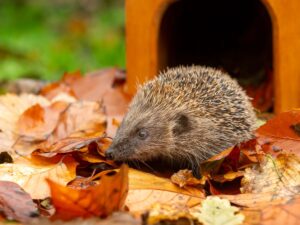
(280, 176)
(211, 211)
(146, 189)
(30, 174)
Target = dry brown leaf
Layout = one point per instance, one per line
(30, 173)
(11, 107)
(212, 211)
(158, 213)
(140, 180)
(71, 130)
(273, 182)
(221, 173)
(147, 189)
(225, 161)
(81, 183)
(99, 200)
(263, 209)
(51, 90)
(96, 86)
(185, 178)
(66, 145)
(280, 176)
(287, 213)
(85, 182)
(139, 201)
(103, 145)
(92, 158)
(280, 133)
(281, 126)
(116, 122)
(15, 203)
(260, 200)
(229, 176)
(94, 152)
(38, 122)
(81, 119)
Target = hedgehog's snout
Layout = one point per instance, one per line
(109, 154)
(118, 151)
(114, 153)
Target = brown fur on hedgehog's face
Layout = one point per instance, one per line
(144, 134)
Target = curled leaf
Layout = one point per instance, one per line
(98, 200)
(66, 145)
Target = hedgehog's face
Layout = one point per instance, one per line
(140, 137)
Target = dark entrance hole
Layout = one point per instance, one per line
(232, 35)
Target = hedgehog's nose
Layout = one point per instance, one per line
(109, 154)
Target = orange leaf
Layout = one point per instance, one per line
(82, 119)
(64, 86)
(65, 145)
(116, 122)
(145, 189)
(72, 131)
(281, 126)
(30, 173)
(52, 90)
(85, 182)
(185, 177)
(38, 122)
(103, 145)
(281, 132)
(99, 200)
(95, 152)
(282, 214)
(142, 180)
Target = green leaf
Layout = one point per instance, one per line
(216, 211)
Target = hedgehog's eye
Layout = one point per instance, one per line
(143, 134)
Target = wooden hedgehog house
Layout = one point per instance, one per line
(250, 39)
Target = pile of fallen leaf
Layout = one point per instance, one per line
(53, 169)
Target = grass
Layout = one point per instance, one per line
(43, 40)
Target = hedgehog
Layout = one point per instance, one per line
(185, 115)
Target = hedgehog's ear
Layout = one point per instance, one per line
(182, 124)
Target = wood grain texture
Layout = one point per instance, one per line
(286, 31)
(142, 26)
(143, 20)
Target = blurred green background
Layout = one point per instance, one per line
(44, 38)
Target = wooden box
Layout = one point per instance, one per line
(166, 33)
